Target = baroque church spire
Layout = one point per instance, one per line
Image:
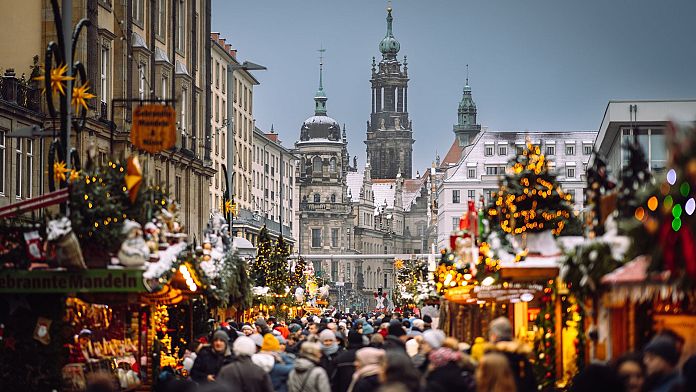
(466, 127)
(320, 96)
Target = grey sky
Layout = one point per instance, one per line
(537, 65)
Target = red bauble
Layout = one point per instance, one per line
(547, 316)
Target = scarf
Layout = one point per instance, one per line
(364, 371)
(329, 350)
(442, 356)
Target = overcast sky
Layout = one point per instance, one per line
(534, 64)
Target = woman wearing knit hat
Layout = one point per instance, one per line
(445, 372)
(367, 368)
(308, 375)
(243, 374)
(211, 358)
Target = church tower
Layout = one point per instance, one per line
(466, 127)
(389, 134)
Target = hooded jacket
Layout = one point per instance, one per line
(308, 376)
(345, 367)
(277, 365)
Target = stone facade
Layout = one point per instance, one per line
(159, 51)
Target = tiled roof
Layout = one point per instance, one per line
(454, 155)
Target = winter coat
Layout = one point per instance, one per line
(518, 357)
(308, 377)
(208, 361)
(277, 365)
(450, 377)
(367, 384)
(345, 367)
(243, 375)
(329, 362)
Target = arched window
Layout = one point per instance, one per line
(333, 197)
(317, 198)
(317, 165)
(332, 165)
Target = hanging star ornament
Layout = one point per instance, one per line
(58, 77)
(59, 171)
(80, 96)
(229, 207)
(134, 177)
(74, 175)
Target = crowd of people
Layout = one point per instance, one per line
(395, 353)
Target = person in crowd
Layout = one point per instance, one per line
(432, 339)
(368, 366)
(242, 374)
(417, 327)
(247, 330)
(445, 371)
(597, 378)
(517, 354)
(377, 341)
(396, 368)
(329, 351)
(427, 322)
(261, 326)
(313, 328)
(282, 328)
(631, 371)
(494, 374)
(308, 376)
(274, 361)
(211, 358)
(396, 336)
(345, 362)
(660, 357)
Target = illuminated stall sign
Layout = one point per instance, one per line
(92, 281)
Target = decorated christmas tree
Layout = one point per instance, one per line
(279, 274)
(103, 197)
(634, 176)
(260, 269)
(530, 200)
(297, 276)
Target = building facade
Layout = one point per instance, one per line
(242, 122)
(646, 119)
(160, 50)
(389, 132)
(479, 157)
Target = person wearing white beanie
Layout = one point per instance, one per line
(243, 373)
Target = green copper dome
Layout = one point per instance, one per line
(389, 45)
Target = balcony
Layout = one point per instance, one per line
(336, 208)
(19, 92)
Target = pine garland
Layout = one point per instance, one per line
(634, 176)
(545, 343)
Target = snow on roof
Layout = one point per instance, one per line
(354, 181)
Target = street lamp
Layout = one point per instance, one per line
(246, 66)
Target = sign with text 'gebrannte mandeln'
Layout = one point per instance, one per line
(88, 281)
